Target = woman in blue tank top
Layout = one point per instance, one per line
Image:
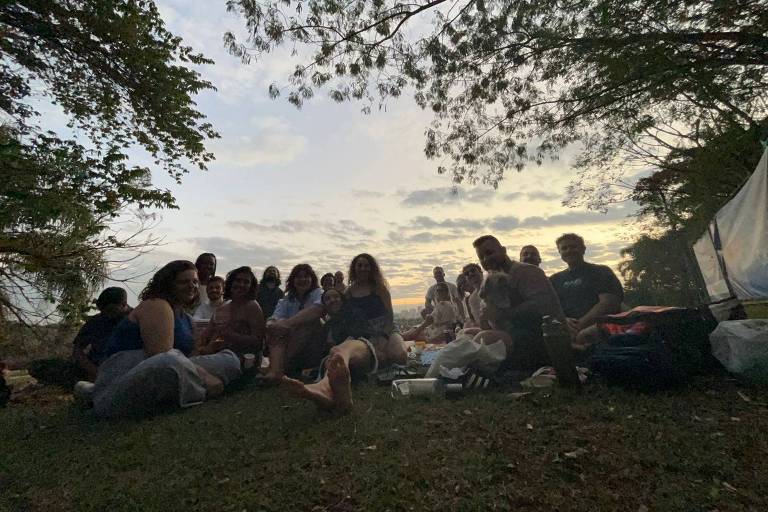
(157, 337)
(368, 296)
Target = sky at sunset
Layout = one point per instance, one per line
(324, 183)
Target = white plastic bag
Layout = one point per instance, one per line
(463, 352)
(742, 347)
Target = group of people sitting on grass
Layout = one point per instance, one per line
(193, 332)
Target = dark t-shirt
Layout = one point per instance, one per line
(94, 334)
(268, 299)
(349, 323)
(578, 289)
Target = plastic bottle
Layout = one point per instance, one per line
(424, 388)
(557, 340)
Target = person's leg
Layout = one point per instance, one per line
(469, 331)
(164, 380)
(301, 348)
(225, 365)
(393, 351)
(277, 348)
(334, 391)
(417, 333)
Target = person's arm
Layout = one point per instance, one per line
(156, 326)
(210, 330)
(386, 298)
(313, 312)
(609, 294)
(428, 299)
(275, 323)
(83, 340)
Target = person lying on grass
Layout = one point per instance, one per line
(366, 298)
(238, 324)
(294, 333)
(147, 368)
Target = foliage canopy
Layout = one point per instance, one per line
(124, 84)
(515, 81)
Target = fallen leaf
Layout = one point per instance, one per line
(642, 508)
(224, 480)
(729, 487)
(517, 396)
(575, 454)
(743, 396)
(371, 447)
(467, 412)
(529, 426)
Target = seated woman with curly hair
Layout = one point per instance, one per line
(238, 324)
(360, 349)
(147, 366)
(294, 333)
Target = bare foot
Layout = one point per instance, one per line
(273, 377)
(340, 383)
(319, 393)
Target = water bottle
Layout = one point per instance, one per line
(557, 340)
(425, 388)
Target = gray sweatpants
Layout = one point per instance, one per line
(131, 384)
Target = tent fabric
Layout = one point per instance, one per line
(742, 228)
(707, 258)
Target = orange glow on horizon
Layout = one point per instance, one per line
(408, 301)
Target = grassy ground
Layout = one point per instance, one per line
(703, 448)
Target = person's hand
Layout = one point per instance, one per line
(213, 385)
(277, 328)
(573, 325)
(488, 312)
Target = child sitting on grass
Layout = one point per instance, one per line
(438, 326)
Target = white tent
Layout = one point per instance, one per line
(733, 253)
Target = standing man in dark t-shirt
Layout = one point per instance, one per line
(586, 291)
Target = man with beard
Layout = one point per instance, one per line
(529, 297)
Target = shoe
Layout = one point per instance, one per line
(83, 392)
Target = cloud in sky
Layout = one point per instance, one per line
(447, 195)
(457, 226)
(451, 195)
(232, 253)
(344, 229)
(276, 145)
